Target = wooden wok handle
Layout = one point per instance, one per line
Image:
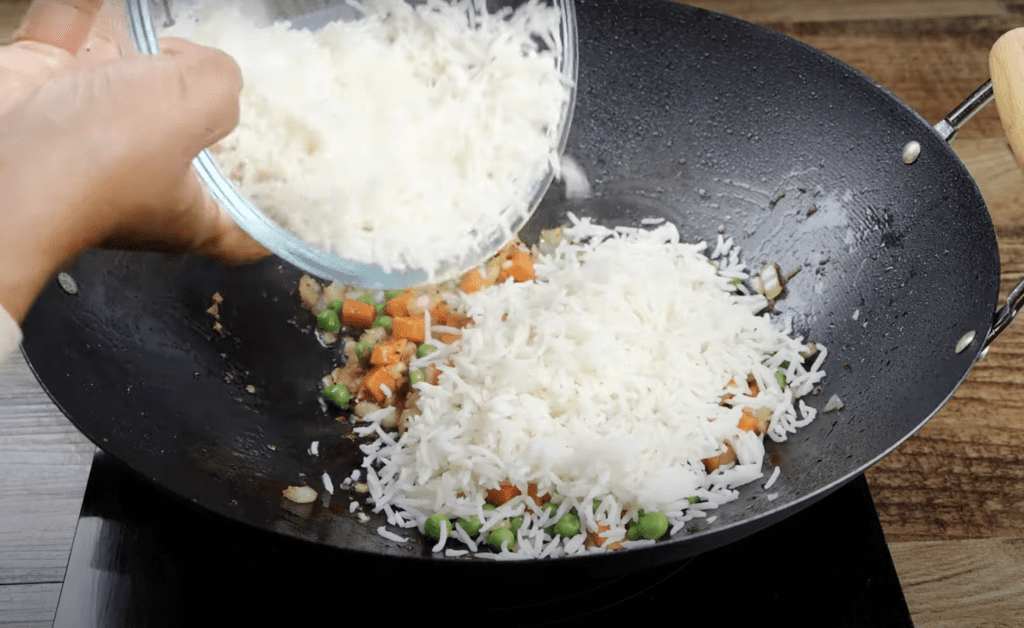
(1006, 65)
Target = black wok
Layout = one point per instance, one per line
(682, 113)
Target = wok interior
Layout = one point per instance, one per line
(683, 114)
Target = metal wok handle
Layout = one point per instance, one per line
(949, 125)
(1005, 314)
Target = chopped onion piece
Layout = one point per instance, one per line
(300, 494)
(768, 281)
(834, 403)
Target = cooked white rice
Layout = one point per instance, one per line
(416, 124)
(605, 382)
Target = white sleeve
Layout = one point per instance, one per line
(10, 334)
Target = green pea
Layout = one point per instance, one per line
(328, 320)
(425, 350)
(391, 294)
(597, 504)
(498, 536)
(338, 394)
(781, 378)
(383, 321)
(568, 525)
(693, 500)
(434, 525)
(551, 507)
(633, 533)
(470, 526)
(736, 282)
(490, 507)
(416, 376)
(336, 305)
(516, 523)
(653, 525)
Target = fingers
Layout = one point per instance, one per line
(208, 83)
(24, 66)
(61, 23)
(109, 38)
(192, 221)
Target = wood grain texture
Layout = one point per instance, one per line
(968, 584)
(806, 11)
(44, 464)
(28, 605)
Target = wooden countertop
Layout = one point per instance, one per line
(951, 499)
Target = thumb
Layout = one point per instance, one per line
(201, 90)
(64, 24)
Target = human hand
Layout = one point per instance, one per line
(96, 146)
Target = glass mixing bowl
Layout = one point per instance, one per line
(147, 18)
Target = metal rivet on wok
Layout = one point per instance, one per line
(67, 283)
(911, 152)
(965, 341)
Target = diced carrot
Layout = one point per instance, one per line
(460, 320)
(388, 352)
(755, 390)
(598, 540)
(439, 313)
(472, 281)
(358, 314)
(712, 463)
(748, 421)
(500, 495)
(508, 250)
(519, 267)
(399, 306)
(374, 380)
(448, 338)
(408, 327)
(531, 490)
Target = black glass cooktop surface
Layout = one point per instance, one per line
(144, 559)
